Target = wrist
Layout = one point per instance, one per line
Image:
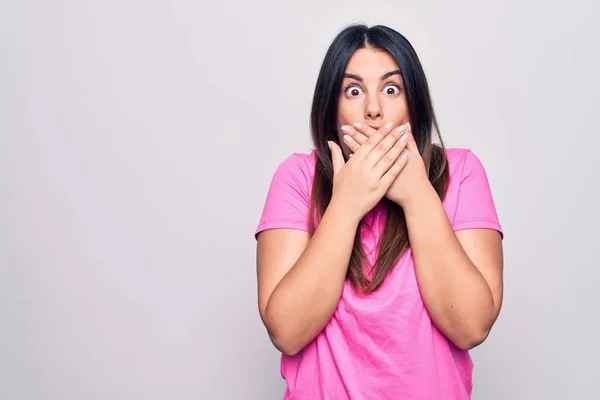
(340, 212)
(421, 198)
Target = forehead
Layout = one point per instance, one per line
(371, 63)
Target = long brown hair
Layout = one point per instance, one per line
(394, 240)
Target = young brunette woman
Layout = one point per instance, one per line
(379, 253)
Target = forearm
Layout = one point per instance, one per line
(305, 299)
(455, 293)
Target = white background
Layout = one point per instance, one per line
(137, 142)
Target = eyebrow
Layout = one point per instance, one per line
(384, 76)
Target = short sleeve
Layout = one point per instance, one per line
(288, 199)
(475, 204)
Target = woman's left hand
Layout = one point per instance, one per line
(413, 179)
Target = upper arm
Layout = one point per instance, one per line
(283, 233)
(484, 249)
(478, 227)
(277, 251)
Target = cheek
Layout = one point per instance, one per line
(349, 113)
(396, 111)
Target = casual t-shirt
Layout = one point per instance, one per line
(383, 345)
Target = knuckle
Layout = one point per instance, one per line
(390, 139)
(388, 142)
(379, 135)
(372, 183)
(380, 150)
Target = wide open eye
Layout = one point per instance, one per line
(392, 89)
(353, 91)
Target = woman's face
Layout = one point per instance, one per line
(372, 92)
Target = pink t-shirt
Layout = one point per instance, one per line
(384, 345)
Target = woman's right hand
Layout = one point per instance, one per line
(361, 182)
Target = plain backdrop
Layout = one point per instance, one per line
(137, 143)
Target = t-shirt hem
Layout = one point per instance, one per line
(479, 224)
(300, 225)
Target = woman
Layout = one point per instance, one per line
(379, 254)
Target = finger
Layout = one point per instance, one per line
(352, 144)
(360, 138)
(337, 159)
(391, 157)
(392, 173)
(384, 145)
(412, 144)
(366, 130)
(372, 142)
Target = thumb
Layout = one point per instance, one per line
(412, 144)
(337, 158)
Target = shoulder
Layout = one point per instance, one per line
(469, 200)
(298, 165)
(461, 162)
(294, 174)
(288, 197)
(306, 160)
(457, 156)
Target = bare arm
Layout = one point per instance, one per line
(300, 281)
(460, 274)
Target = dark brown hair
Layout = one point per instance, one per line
(394, 240)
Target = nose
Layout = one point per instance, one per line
(373, 108)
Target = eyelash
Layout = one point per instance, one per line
(355, 85)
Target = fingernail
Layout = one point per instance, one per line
(357, 125)
(408, 126)
(347, 138)
(401, 128)
(405, 154)
(389, 125)
(404, 137)
(346, 128)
